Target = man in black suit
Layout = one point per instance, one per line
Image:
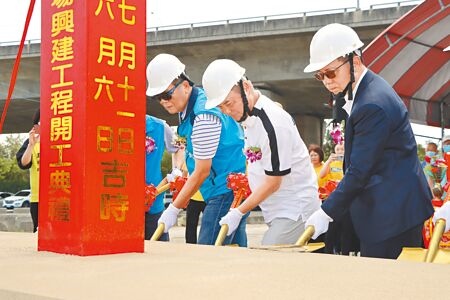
(384, 187)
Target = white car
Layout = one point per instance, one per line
(19, 199)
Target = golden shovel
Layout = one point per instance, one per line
(300, 246)
(237, 182)
(160, 229)
(175, 187)
(431, 255)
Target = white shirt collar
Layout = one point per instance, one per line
(349, 103)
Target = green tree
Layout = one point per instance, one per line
(12, 178)
(420, 152)
(166, 163)
(328, 144)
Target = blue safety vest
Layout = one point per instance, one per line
(154, 128)
(229, 157)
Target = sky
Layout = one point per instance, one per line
(175, 12)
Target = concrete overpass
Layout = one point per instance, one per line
(273, 49)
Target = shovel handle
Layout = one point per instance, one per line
(224, 229)
(158, 232)
(435, 239)
(162, 189)
(306, 236)
(222, 235)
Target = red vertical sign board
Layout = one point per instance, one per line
(92, 127)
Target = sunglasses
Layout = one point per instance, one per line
(330, 74)
(167, 95)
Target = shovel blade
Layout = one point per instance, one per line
(412, 254)
(419, 254)
(292, 248)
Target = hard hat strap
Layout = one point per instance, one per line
(352, 77)
(246, 112)
(185, 77)
(349, 88)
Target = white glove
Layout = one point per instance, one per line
(174, 174)
(232, 219)
(443, 213)
(169, 217)
(320, 220)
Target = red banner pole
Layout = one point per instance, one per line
(12, 81)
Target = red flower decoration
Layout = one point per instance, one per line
(238, 182)
(330, 186)
(177, 185)
(150, 196)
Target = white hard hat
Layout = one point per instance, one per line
(218, 80)
(330, 42)
(161, 71)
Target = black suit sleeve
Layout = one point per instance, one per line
(371, 131)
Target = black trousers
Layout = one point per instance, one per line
(151, 223)
(341, 237)
(392, 247)
(34, 214)
(349, 239)
(193, 211)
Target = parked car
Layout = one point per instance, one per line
(4, 195)
(19, 199)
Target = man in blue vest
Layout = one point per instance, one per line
(214, 144)
(384, 187)
(158, 136)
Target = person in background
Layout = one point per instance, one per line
(214, 144)
(158, 136)
(431, 152)
(384, 186)
(317, 156)
(437, 188)
(332, 169)
(28, 157)
(193, 210)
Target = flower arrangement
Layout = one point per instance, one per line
(150, 145)
(337, 133)
(238, 183)
(253, 154)
(326, 190)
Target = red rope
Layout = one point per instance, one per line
(12, 82)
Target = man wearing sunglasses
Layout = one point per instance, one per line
(384, 187)
(214, 144)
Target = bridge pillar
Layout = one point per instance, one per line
(310, 127)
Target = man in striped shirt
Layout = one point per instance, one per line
(280, 173)
(214, 144)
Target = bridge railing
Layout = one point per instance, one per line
(30, 42)
(251, 19)
(397, 3)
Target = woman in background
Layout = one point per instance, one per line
(28, 158)
(317, 156)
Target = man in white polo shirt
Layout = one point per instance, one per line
(280, 173)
